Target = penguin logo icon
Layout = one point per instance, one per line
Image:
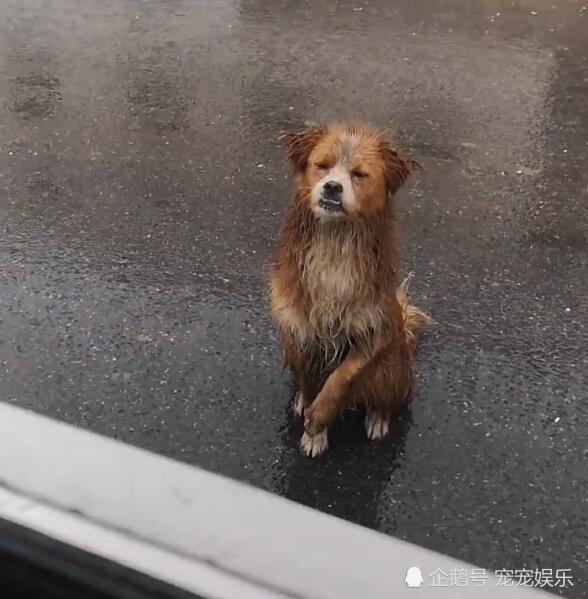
(414, 578)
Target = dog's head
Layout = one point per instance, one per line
(348, 170)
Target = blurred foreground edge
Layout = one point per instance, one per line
(89, 517)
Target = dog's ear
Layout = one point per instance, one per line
(398, 168)
(300, 145)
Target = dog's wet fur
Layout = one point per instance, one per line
(346, 326)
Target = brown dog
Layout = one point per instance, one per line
(345, 324)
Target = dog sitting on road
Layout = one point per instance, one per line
(346, 326)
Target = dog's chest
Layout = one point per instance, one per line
(332, 270)
(339, 288)
(331, 280)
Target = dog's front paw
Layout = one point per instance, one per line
(316, 417)
(376, 426)
(314, 446)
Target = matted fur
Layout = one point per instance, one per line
(346, 326)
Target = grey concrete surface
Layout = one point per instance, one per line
(141, 190)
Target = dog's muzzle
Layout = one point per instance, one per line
(331, 198)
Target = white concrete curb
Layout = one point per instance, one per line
(197, 530)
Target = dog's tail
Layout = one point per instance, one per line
(412, 317)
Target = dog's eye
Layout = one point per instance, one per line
(321, 166)
(357, 174)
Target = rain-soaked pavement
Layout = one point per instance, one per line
(142, 187)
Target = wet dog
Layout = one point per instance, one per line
(347, 329)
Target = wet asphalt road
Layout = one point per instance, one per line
(142, 187)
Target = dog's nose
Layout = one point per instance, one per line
(332, 188)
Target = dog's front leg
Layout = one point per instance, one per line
(327, 404)
(329, 401)
(307, 388)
